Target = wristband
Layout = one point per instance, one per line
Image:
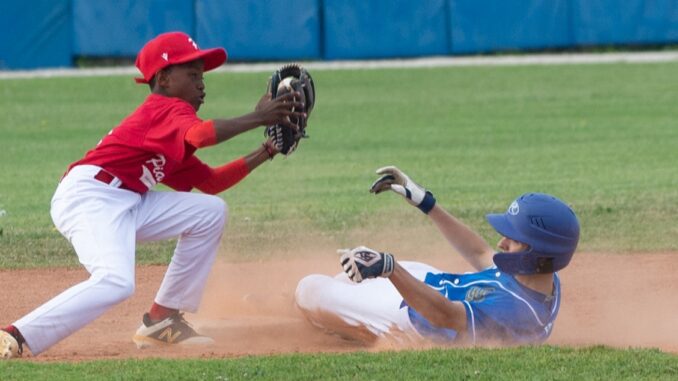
(427, 203)
(269, 151)
(389, 265)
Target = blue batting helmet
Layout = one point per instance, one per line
(543, 222)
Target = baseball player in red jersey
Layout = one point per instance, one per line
(105, 202)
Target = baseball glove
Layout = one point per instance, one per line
(290, 78)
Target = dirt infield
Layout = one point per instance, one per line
(616, 300)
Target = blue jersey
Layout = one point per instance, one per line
(498, 308)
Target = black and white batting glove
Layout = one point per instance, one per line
(363, 263)
(394, 179)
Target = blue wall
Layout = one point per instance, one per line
(494, 25)
(26, 43)
(51, 33)
(598, 22)
(255, 30)
(390, 28)
(122, 27)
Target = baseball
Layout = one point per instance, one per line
(285, 85)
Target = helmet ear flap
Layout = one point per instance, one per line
(522, 263)
(527, 263)
(545, 265)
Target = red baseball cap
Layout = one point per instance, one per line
(174, 48)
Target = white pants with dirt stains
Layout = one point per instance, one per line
(103, 223)
(363, 311)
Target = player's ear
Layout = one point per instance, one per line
(162, 78)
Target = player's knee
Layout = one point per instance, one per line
(216, 211)
(309, 292)
(118, 287)
(123, 289)
(221, 213)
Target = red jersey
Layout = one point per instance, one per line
(148, 147)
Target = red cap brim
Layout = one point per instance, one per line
(212, 58)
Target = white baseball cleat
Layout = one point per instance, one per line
(9, 347)
(172, 330)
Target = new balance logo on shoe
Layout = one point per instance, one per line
(174, 330)
(168, 336)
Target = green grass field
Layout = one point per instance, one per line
(602, 137)
(539, 363)
(529, 363)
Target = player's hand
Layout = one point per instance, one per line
(394, 179)
(363, 263)
(279, 110)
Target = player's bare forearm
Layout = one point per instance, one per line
(468, 243)
(227, 128)
(255, 158)
(437, 309)
(267, 112)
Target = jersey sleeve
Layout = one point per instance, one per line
(168, 132)
(225, 176)
(201, 135)
(188, 175)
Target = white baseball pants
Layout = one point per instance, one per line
(103, 223)
(362, 311)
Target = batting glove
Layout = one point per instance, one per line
(363, 263)
(394, 179)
